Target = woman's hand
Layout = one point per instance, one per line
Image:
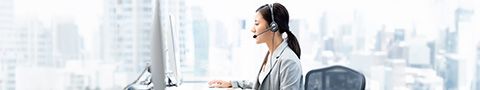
(219, 84)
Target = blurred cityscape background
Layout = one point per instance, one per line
(105, 44)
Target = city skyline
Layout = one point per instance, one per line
(92, 44)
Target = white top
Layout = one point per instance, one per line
(264, 71)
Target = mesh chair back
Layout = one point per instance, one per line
(334, 78)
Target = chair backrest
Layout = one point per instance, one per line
(334, 78)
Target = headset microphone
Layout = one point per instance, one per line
(255, 36)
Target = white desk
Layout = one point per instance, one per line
(197, 86)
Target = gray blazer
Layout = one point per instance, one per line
(286, 73)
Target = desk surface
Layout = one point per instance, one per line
(197, 86)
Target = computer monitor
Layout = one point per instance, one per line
(172, 67)
(168, 66)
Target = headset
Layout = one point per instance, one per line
(273, 25)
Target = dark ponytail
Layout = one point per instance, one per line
(293, 43)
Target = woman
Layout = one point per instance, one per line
(281, 70)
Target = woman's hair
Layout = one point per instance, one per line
(280, 14)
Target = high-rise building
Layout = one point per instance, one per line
(399, 35)
(322, 27)
(450, 72)
(46, 49)
(418, 53)
(202, 41)
(126, 36)
(424, 79)
(380, 39)
(11, 47)
(2, 78)
(395, 74)
(50, 45)
(39, 41)
(451, 41)
(433, 52)
(68, 41)
(477, 68)
(397, 51)
(397, 48)
(368, 60)
(329, 44)
(127, 33)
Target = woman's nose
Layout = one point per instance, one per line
(253, 30)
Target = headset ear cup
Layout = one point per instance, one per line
(274, 26)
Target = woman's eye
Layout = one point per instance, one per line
(256, 23)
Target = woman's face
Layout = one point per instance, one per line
(260, 26)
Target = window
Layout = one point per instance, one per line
(105, 44)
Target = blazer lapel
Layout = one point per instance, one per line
(283, 45)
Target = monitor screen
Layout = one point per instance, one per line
(171, 55)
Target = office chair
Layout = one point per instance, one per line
(334, 78)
